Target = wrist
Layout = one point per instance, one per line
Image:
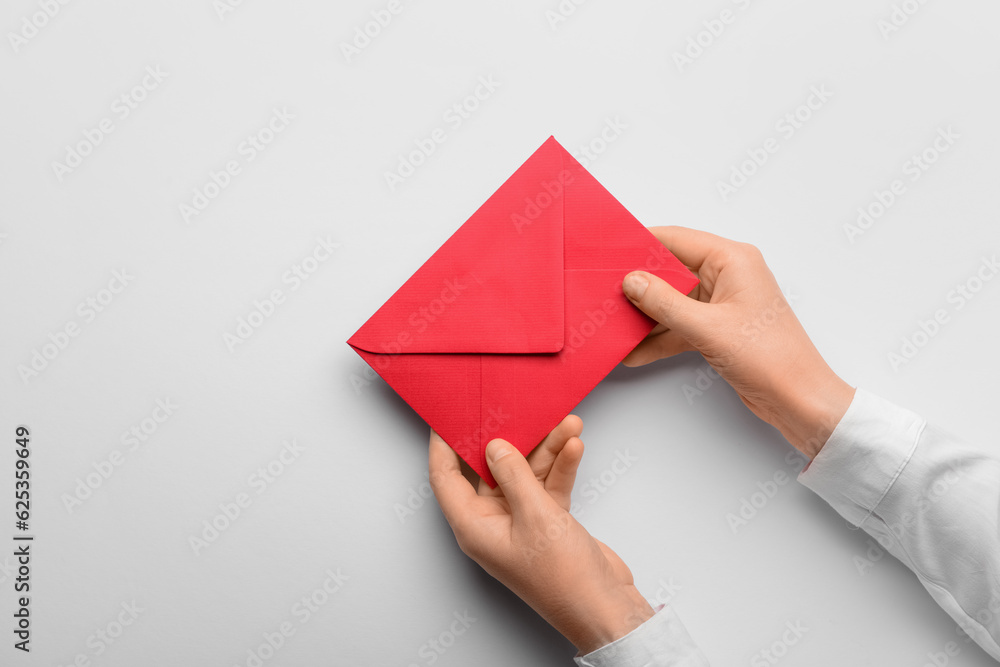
(811, 410)
(610, 620)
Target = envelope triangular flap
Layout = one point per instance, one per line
(601, 235)
(495, 286)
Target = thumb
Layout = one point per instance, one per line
(658, 299)
(512, 472)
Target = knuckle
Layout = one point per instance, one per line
(466, 545)
(512, 483)
(662, 305)
(470, 549)
(464, 537)
(750, 252)
(437, 480)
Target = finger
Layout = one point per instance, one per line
(657, 330)
(658, 299)
(542, 457)
(653, 348)
(691, 246)
(483, 489)
(560, 481)
(514, 477)
(454, 493)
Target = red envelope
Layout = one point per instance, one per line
(520, 313)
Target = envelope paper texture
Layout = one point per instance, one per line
(520, 313)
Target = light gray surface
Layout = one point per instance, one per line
(336, 506)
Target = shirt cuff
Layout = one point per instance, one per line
(864, 456)
(662, 641)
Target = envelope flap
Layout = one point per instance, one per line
(601, 233)
(495, 286)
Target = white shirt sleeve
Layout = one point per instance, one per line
(662, 641)
(930, 499)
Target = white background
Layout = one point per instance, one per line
(337, 505)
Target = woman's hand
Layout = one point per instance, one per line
(739, 320)
(522, 533)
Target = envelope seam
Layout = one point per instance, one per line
(482, 397)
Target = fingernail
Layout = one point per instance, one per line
(635, 286)
(496, 451)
